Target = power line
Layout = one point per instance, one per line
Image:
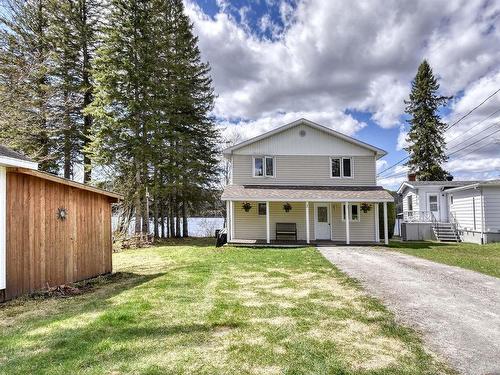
(479, 123)
(475, 135)
(473, 143)
(455, 123)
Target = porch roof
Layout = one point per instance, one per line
(306, 193)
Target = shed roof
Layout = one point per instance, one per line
(307, 193)
(9, 153)
(11, 158)
(65, 181)
(443, 184)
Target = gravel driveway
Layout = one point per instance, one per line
(456, 310)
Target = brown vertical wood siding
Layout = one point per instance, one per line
(43, 250)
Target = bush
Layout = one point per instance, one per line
(391, 218)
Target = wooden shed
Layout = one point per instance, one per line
(53, 230)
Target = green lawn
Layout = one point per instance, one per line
(480, 258)
(190, 308)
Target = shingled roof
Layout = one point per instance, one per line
(7, 152)
(307, 193)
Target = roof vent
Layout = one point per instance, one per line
(302, 133)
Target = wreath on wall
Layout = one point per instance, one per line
(62, 213)
(287, 207)
(246, 206)
(365, 207)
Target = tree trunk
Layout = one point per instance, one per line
(156, 214)
(162, 220)
(145, 213)
(177, 219)
(138, 206)
(184, 219)
(171, 217)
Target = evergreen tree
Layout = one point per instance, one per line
(425, 138)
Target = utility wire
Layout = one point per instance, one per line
(455, 123)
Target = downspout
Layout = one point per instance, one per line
(482, 216)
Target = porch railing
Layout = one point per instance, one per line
(418, 216)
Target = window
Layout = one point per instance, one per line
(354, 212)
(263, 166)
(346, 167)
(410, 202)
(322, 214)
(451, 198)
(336, 167)
(341, 167)
(433, 203)
(262, 208)
(269, 166)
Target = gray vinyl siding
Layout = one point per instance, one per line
(252, 226)
(492, 208)
(463, 208)
(304, 170)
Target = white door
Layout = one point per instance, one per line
(433, 205)
(322, 221)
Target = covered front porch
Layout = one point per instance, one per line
(308, 215)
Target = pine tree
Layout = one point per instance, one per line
(425, 138)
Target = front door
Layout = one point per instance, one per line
(322, 221)
(433, 205)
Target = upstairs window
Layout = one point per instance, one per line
(336, 167)
(341, 167)
(263, 166)
(346, 167)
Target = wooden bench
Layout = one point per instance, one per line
(286, 229)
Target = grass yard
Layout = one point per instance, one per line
(190, 308)
(480, 258)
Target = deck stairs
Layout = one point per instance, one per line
(445, 232)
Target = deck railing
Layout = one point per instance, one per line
(418, 216)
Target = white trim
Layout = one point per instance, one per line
(331, 221)
(308, 235)
(3, 227)
(316, 205)
(428, 203)
(232, 219)
(379, 152)
(341, 158)
(228, 225)
(482, 217)
(386, 229)
(377, 225)
(350, 213)
(345, 210)
(13, 162)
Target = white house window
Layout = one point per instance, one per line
(262, 208)
(451, 198)
(354, 212)
(346, 168)
(341, 167)
(263, 166)
(410, 202)
(433, 203)
(336, 167)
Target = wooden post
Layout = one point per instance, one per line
(377, 226)
(386, 229)
(308, 237)
(268, 229)
(347, 231)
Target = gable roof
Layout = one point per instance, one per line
(314, 125)
(13, 158)
(443, 184)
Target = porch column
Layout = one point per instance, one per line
(386, 230)
(377, 226)
(268, 229)
(228, 220)
(347, 231)
(231, 219)
(307, 223)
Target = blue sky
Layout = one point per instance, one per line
(349, 66)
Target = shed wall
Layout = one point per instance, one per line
(43, 250)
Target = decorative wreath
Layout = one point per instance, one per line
(62, 214)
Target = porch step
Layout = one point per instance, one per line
(445, 232)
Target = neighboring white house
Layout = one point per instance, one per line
(300, 182)
(451, 210)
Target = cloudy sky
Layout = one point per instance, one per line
(348, 65)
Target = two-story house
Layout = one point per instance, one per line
(304, 182)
